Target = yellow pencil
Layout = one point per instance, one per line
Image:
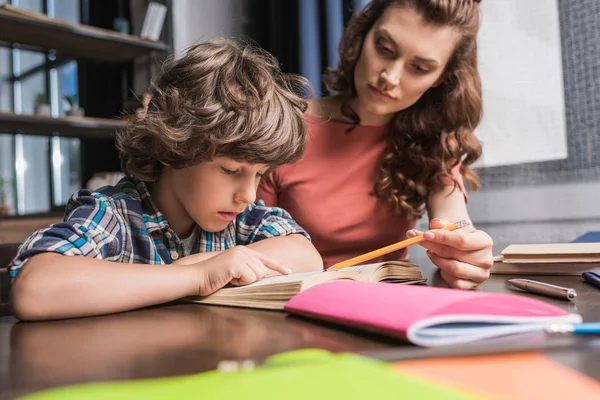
(392, 247)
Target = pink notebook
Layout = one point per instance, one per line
(426, 316)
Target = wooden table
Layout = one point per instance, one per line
(185, 339)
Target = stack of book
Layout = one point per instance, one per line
(548, 259)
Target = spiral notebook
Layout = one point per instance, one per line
(426, 316)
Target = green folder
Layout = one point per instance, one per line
(302, 374)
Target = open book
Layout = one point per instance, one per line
(548, 259)
(273, 292)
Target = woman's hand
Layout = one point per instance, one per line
(464, 257)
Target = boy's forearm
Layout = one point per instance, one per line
(54, 286)
(196, 258)
(295, 252)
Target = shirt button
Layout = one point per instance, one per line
(168, 235)
(174, 255)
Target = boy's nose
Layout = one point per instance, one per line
(246, 194)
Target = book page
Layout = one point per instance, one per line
(389, 270)
(306, 277)
(270, 280)
(366, 270)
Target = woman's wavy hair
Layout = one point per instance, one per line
(220, 99)
(435, 134)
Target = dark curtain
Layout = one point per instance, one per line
(302, 34)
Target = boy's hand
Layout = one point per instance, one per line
(238, 266)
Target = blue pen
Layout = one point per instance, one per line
(584, 328)
(591, 278)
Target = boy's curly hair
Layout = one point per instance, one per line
(220, 99)
(436, 133)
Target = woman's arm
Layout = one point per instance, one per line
(449, 204)
(464, 256)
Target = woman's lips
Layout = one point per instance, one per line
(379, 93)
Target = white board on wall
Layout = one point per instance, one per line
(521, 70)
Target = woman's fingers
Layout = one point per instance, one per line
(458, 269)
(457, 283)
(466, 241)
(482, 258)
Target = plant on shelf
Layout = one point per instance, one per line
(74, 109)
(42, 106)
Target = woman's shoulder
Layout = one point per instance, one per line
(326, 109)
(325, 114)
(319, 108)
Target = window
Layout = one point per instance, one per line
(38, 173)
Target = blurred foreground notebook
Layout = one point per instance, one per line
(507, 376)
(426, 316)
(548, 259)
(273, 292)
(297, 375)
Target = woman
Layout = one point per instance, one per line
(396, 140)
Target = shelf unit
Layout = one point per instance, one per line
(102, 53)
(74, 40)
(81, 127)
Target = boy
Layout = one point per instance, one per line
(219, 119)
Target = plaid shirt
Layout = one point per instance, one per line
(121, 223)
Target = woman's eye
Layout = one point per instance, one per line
(229, 171)
(420, 69)
(382, 48)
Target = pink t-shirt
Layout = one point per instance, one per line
(330, 192)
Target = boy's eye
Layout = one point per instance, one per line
(229, 171)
